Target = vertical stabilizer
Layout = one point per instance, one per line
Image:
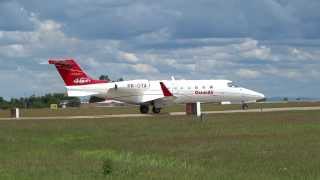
(72, 74)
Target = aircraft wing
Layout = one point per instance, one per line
(138, 96)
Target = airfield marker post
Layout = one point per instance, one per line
(198, 109)
(15, 113)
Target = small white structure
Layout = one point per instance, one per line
(198, 109)
(15, 113)
(225, 102)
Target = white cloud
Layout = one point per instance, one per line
(14, 51)
(248, 73)
(129, 57)
(250, 49)
(299, 54)
(91, 62)
(159, 36)
(47, 37)
(144, 68)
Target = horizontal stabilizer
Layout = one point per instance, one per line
(75, 93)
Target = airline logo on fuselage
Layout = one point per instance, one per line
(209, 92)
(82, 80)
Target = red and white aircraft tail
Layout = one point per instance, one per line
(72, 74)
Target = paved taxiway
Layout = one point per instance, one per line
(172, 113)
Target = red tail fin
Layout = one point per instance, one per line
(72, 74)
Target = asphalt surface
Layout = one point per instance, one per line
(172, 114)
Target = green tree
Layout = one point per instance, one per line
(120, 79)
(104, 77)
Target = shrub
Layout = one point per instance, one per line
(107, 167)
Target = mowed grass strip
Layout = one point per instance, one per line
(278, 145)
(87, 111)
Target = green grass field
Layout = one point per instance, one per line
(278, 145)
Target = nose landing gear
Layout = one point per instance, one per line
(244, 106)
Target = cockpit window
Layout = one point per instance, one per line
(230, 84)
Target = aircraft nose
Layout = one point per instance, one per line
(260, 97)
(252, 96)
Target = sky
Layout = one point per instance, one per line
(272, 46)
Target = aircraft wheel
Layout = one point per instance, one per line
(245, 106)
(156, 110)
(144, 109)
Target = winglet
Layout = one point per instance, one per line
(165, 90)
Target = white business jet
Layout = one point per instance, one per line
(156, 93)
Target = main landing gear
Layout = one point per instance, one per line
(156, 110)
(144, 109)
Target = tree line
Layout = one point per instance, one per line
(106, 77)
(44, 101)
(36, 101)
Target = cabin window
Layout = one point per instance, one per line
(196, 87)
(203, 87)
(211, 87)
(181, 87)
(189, 87)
